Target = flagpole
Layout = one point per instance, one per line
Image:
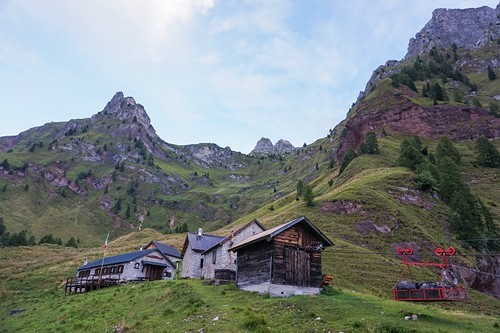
(102, 263)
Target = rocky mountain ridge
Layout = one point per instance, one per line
(265, 147)
(112, 170)
(469, 28)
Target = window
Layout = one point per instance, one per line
(113, 270)
(82, 274)
(97, 271)
(201, 263)
(136, 266)
(167, 274)
(214, 257)
(119, 269)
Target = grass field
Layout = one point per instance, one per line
(32, 280)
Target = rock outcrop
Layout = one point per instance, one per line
(469, 28)
(405, 117)
(265, 147)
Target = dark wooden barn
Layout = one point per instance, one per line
(287, 255)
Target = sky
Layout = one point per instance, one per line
(206, 71)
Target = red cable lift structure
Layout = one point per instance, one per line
(448, 289)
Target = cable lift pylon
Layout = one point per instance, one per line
(448, 289)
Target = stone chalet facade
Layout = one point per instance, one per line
(192, 253)
(218, 258)
(206, 255)
(149, 264)
(168, 250)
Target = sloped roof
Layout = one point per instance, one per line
(271, 233)
(234, 234)
(200, 243)
(166, 249)
(120, 258)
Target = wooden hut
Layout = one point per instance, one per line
(282, 261)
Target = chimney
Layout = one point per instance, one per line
(200, 231)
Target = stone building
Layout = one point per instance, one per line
(219, 262)
(192, 252)
(149, 264)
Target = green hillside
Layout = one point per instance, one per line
(424, 187)
(33, 300)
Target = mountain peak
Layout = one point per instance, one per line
(469, 28)
(265, 146)
(125, 108)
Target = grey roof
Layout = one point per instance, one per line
(234, 234)
(120, 258)
(203, 242)
(271, 233)
(166, 249)
(153, 263)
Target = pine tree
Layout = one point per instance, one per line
(409, 155)
(308, 196)
(491, 74)
(71, 243)
(449, 178)
(486, 153)
(446, 148)
(300, 188)
(348, 157)
(370, 145)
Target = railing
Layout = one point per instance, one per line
(89, 283)
(444, 293)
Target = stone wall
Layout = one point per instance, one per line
(225, 259)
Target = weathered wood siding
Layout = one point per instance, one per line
(255, 263)
(292, 265)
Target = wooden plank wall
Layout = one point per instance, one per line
(289, 269)
(254, 263)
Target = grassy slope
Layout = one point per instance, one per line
(363, 266)
(188, 306)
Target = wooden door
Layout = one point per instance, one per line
(154, 272)
(297, 267)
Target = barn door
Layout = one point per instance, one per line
(154, 272)
(297, 267)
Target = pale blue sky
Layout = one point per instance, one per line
(227, 72)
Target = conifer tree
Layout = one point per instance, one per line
(409, 155)
(348, 157)
(491, 74)
(370, 145)
(446, 148)
(308, 196)
(486, 153)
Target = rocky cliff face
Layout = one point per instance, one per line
(266, 147)
(406, 117)
(468, 28)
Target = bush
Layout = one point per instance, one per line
(328, 290)
(393, 328)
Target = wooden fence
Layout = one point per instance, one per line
(88, 283)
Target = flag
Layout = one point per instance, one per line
(106, 242)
